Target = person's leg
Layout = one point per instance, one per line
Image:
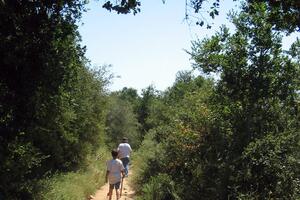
(117, 187)
(125, 162)
(128, 161)
(111, 188)
(127, 167)
(117, 194)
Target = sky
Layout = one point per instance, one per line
(145, 49)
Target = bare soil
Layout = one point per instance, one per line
(127, 193)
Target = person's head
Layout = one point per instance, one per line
(114, 153)
(125, 140)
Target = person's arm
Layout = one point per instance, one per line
(122, 170)
(118, 149)
(123, 173)
(107, 171)
(106, 176)
(130, 148)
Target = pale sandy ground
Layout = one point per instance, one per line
(127, 193)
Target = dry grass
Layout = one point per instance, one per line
(76, 185)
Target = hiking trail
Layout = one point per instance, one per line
(127, 194)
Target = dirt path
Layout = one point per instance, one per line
(127, 193)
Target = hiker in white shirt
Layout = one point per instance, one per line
(114, 173)
(124, 150)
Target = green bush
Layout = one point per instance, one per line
(160, 187)
(146, 160)
(75, 185)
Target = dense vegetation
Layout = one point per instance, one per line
(52, 105)
(234, 135)
(233, 138)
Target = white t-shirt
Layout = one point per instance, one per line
(124, 150)
(114, 167)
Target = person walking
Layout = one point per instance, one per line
(124, 150)
(114, 174)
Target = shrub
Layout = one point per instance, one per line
(160, 187)
(75, 185)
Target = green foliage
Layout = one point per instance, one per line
(254, 103)
(160, 187)
(52, 107)
(272, 155)
(236, 138)
(76, 185)
(21, 161)
(170, 147)
(131, 96)
(123, 6)
(149, 96)
(283, 14)
(146, 160)
(121, 121)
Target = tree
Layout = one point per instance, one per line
(123, 6)
(131, 96)
(255, 134)
(284, 14)
(149, 95)
(236, 138)
(185, 82)
(179, 119)
(51, 105)
(121, 121)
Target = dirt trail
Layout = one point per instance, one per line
(127, 193)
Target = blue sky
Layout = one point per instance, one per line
(147, 48)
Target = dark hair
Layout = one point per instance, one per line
(114, 153)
